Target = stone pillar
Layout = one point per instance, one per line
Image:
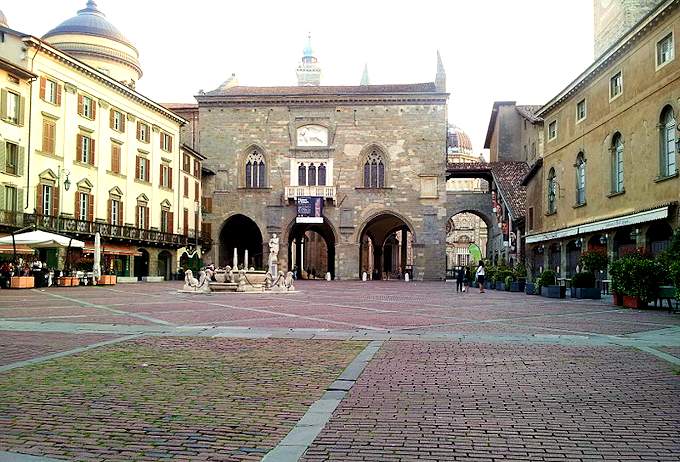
(641, 237)
(546, 257)
(298, 254)
(610, 250)
(563, 259)
(347, 265)
(153, 261)
(404, 249)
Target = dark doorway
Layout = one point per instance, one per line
(241, 233)
(311, 250)
(141, 264)
(386, 248)
(165, 265)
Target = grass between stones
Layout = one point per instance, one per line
(186, 397)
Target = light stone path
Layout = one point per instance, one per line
(350, 314)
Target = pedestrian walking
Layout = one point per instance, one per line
(460, 275)
(479, 275)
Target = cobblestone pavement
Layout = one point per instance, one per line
(495, 376)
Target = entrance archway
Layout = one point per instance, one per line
(141, 264)
(242, 233)
(311, 250)
(165, 265)
(386, 247)
(465, 231)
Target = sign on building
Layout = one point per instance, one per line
(309, 210)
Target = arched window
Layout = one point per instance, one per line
(617, 163)
(302, 175)
(322, 175)
(668, 140)
(374, 171)
(255, 170)
(580, 179)
(311, 175)
(552, 191)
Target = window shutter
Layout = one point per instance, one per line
(170, 220)
(108, 210)
(3, 157)
(160, 138)
(139, 130)
(58, 95)
(20, 160)
(92, 151)
(3, 104)
(123, 122)
(46, 136)
(80, 105)
(160, 176)
(146, 217)
(76, 209)
(196, 195)
(186, 187)
(137, 168)
(120, 213)
(94, 109)
(39, 200)
(55, 201)
(170, 177)
(2, 200)
(79, 148)
(20, 199)
(90, 208)
(111, 118)
(22, 110)
(137, 210)
(43, 83)
(186, 222)
(148, 170)
(169, 143)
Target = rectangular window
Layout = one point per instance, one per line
(84, 206)
(141, 217)
(166, 142)
(164, 221)
(552, 130)
(11, 199)
(49, 136)
(143, 132)
(664, 50)
(186, 163)
(115, 158)
(196, 191)
(11, 158)
(581, 110)
(115, 212)
(530, 218)
(615, 85)
(165, 176)
(197, 169)
(86, 106)
(46, 199)
(50, 91)
(85, 150)
(13, 108)
(186, 187)
(117, 121)
(143, 168)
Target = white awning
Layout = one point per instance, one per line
(628, 220)
(42, 240)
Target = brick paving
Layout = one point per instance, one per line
(196, 398)
(445, 401)
(510, 377)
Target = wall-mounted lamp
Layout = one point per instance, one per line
(634, 234)
(67, 182)
(603, 239)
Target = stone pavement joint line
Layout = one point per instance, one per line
(15, 457)
(61, 354)
(300, 438)
(660, 354)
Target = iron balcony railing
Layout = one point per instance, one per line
(72, 226)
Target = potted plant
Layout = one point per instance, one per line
(616, 273)
(519, 282)
(501, 279)
(638, 279)
(583, 285)
(549, 287)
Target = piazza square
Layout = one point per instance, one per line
(277, 232)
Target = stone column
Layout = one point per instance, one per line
(153, 261)
(546, 257)
(563, 259)
(404, 249)
(641, 237)
(347, 265)
(610, 249)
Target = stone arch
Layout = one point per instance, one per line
(241, 232)
(386, 245)
(243, 159)
(368, 151)
(295, 239)
(375, 215)
(488, 222)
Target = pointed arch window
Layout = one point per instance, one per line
(311, 175)
(255, 170)
(552, 191)
(322, 175)
(580, 179)
(667, 128)
(617, 163)
(302, 175)
(374, 170)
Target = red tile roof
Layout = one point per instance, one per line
(508, 177)
(529, 112)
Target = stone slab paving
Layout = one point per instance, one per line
(444, 401)
(20, 346)
(167, 398)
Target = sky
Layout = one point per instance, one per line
(493, 50)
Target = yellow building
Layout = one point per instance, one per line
(99, 156)
(609, 175)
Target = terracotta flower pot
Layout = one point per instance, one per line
(617, 299)
(630, 301)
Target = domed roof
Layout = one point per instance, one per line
(458, 142)
(89, 21)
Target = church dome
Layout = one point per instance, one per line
(90, 37)
(458, 142)
(3, 19)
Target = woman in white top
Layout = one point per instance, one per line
(480, 276)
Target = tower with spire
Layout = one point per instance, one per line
(364, 77)
(440, 79)
(308, 71)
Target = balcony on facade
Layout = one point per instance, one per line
(327, 192)
(79, 229)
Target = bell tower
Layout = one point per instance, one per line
(308, 71)
(613, 18)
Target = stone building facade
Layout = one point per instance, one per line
(613, 18)
(609, 175)
(375, 155)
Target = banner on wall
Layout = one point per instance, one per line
(309, 210)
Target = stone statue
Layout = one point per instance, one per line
(268, 280)
(191, 284)
(241, 281)
(288, 282)
(273, 249)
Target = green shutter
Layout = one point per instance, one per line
(3, 156)
(3, 206)
(20, 160)
(22, 110)
(3, 104)
(20, 199)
